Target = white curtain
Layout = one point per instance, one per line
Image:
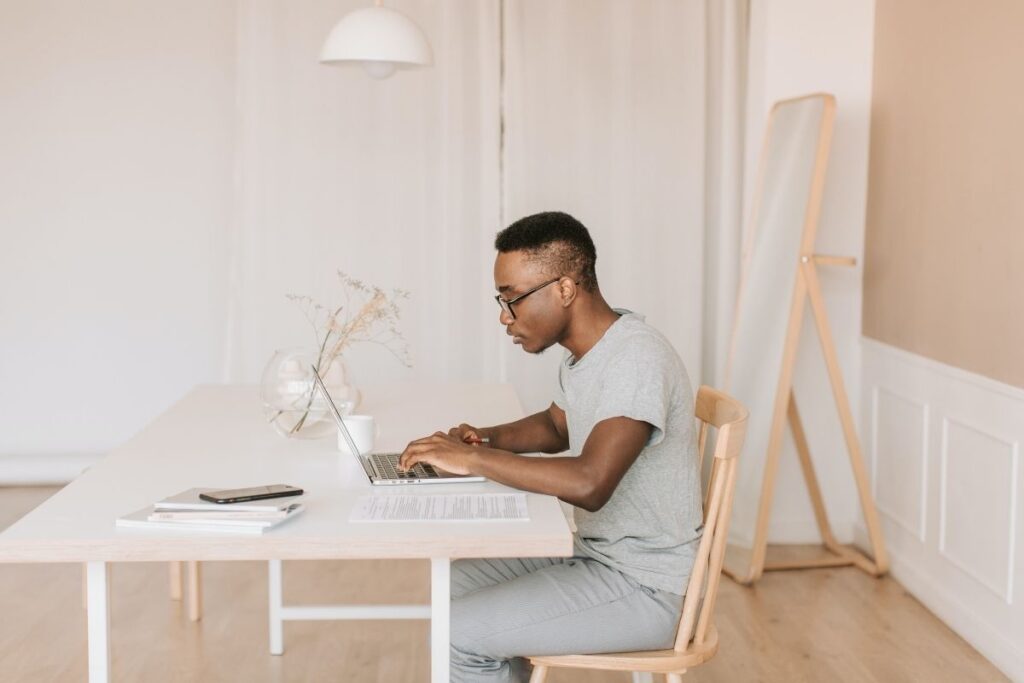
(394, 182)
(605, 119)
(727, 31)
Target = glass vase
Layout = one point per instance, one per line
(291, 403)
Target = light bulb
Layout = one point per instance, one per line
(377, 69)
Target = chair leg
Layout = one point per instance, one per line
(673, 678)
(175, 577)
(195, 594)
(539, 675)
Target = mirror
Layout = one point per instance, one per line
(781, 229)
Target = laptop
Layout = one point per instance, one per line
(382, 468)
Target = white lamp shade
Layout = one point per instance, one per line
(380, 39)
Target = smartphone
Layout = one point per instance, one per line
(253, 493)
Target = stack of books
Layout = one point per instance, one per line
(186, 511)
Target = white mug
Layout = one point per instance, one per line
(363, 430)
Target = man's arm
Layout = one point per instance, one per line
(543, 432)
(587, 481)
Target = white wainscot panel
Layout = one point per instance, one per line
(900, 454)
(970, 559)
(978, 504)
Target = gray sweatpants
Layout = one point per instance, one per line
(503, 610)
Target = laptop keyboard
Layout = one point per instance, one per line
(386, 465)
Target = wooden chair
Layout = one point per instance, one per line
(696, 637)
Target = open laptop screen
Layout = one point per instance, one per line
(337, 414)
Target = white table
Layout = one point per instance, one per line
(217, 436)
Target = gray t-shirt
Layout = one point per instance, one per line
(651, 526)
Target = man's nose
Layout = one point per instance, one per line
(505, 318)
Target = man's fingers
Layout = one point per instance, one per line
(433, 438)
(411, 451)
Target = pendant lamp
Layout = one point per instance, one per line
(379, 39)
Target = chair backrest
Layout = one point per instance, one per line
(729, 417)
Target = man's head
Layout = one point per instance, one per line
(550, 258)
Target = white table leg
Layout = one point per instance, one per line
(440, 618)
(98, 597)
(643, 677)
(276, 602)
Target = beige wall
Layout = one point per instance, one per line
(944, 251)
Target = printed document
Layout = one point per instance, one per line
(440, 508)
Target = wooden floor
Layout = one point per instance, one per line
(816, 625)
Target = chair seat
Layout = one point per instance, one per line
(654, 661)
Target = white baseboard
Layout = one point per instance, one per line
(44, 468)
(1005, 654)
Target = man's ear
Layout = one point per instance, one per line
(567, 290)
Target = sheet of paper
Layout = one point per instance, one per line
(441, 508)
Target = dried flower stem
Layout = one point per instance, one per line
(378, 310)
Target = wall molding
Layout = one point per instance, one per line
(1006, 591)
(922, 521)
(971, 510)
(43, 468)
(952, 372)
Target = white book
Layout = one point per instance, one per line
(140, 520)
(218, 515)
(190, 500)
(240, 518)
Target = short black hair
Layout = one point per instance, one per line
(556, 240)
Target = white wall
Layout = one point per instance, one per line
(163, 191)
(798, 47)
(115, 177)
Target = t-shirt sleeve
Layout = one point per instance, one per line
(636, 385)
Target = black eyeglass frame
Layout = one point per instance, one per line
(506, 304)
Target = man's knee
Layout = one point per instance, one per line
(468, 662)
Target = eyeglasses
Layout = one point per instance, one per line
(506, 305)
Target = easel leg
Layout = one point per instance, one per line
(810, 478)
(778, 427)
(867, 503)
(807, 284)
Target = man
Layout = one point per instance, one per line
(624, 409)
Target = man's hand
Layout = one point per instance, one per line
(467, 433)
(448, 453)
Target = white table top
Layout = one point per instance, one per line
(217, 436)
